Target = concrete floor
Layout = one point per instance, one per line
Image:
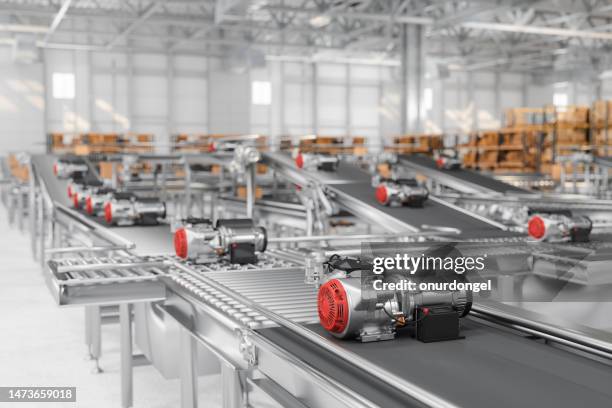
(42, 344)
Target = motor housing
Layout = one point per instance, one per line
(559, 228)
(447, 160)
(95, 200)
(348, 312)
(323, 162)
(65, 168)
(127, 209)
(238, 238)
(401, 192)
(80, 191)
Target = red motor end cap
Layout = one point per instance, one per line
(536, 227)
(440, 162)
(180, 243)
(381, 194)
(89, 205)
(75, 200)
(212, 148)
(299, 160)
(108, 213)
(333, 306)
(69, 191)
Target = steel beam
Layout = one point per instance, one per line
(57, 20)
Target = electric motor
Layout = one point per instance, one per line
(73, 188)
(559, 228)
(191, 241)
(95, 200)
(316, 161)
(347, 311)
(244, 156)
(67, 167)
(239, 238)
(401, 192)
(447, 159)
(81, 190)
(127, 209)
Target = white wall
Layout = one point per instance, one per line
(168, 94)
(21, 105)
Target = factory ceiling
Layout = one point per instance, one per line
(469, 35)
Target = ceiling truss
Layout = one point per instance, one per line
(515, 35)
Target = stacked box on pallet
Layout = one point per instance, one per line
(18, 170)
(418, 143)
(470, 155)
(359, 146)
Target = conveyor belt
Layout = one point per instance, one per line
(156, 239)
(489, 367)
(468, 176)
(432, 213)
(356, 183)
(43, 165)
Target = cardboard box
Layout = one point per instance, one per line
(106, 170)
(241, 192)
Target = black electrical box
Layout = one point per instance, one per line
(437, 325)
(243, 253)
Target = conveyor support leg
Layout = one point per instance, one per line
(93, 335)
(125, 320)
(96, 337)
(232, 387)
(189, 380)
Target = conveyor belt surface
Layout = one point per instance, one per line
(464, 175)
(156, 239)
(487, 368)
(432, 213)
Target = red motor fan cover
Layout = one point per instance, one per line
(89, 205)
(299, 160)
(536, 227)
(382, 194)
(108, 213)
(333, 306)
(180, 243)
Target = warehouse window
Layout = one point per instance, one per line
(63, 85)
(560, 99)
(261, 93)
(428, 99)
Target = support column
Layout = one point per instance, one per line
(276, 109)
(314, 104)
(411, 78)
(472, 101)
(169, 99)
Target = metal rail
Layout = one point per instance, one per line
(550, 332)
